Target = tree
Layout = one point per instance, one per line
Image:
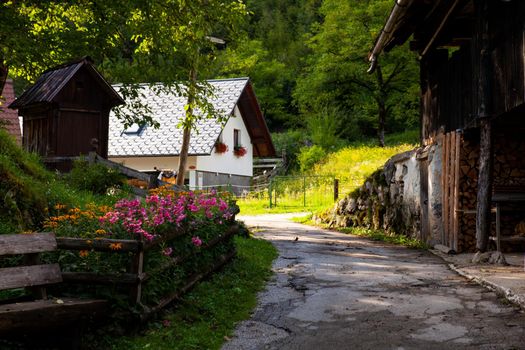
(133, 42)
(336, 74)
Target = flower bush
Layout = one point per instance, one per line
(199, 218)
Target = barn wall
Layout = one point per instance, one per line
(450, 80)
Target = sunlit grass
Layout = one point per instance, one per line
(351, 165)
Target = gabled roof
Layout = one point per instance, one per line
(168, 110)
(49, 85)
(9, 116)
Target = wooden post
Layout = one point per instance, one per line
(445, 211)
(456, 191)
(136, 268)
(336, 189)
(484, 195)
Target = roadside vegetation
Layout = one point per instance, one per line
(351, 165)
(92, 203)
(205, 317)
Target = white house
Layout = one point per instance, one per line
(148, 149)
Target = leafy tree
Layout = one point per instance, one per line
(134, 41)
(336, 70)
(271, 55)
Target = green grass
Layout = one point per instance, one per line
(375, 235)
(351, 165)
(208, 314)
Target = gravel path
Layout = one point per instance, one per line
(336, 291)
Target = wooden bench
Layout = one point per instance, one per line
(40, 312)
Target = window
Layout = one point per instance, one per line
(236, 138)
(134, 129)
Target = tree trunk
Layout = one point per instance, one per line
(381, 127)
(183, 157)
(3, 78)
(484, 186)
(381, 104)
(484, 113)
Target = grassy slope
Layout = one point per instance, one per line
(207, 315)
(351, 165)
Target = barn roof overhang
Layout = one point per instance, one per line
(53, 80)
(439, 23)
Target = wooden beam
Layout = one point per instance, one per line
(484, 113)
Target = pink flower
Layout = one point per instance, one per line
(192, 207)
(223, 205)
(168, 251)
(196, 241)
(166, 323)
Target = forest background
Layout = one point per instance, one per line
(307, 59)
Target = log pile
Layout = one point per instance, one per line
(468, 187)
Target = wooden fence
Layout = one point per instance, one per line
(135, 277)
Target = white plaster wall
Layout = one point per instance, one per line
(435, 198)
(412, 182)
(150, 163)
(227, 162)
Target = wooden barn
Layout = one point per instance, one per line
(66, 112)
(472, 77)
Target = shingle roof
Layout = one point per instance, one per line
(9, 116)
(168, 110)
(49, 84)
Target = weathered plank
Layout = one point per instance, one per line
(47, 314)
(29, 276)
(124, 169)
(445, 193)
(27, 243)
(457, 158)
(102, 245)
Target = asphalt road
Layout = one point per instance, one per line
(335, 291)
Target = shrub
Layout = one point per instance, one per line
(199, 218)
(309, 156)
(94, 177)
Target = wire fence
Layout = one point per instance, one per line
(301, 192)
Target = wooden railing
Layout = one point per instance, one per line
(93, 158)
(135, 276)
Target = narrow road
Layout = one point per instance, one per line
(335, 291)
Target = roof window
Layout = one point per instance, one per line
(134, 129)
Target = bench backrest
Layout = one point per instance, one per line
(34, 274)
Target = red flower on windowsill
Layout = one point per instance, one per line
(239, 151)
(221, 147)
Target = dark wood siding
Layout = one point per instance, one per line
(450, 82)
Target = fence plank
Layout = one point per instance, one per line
(27, 243)
(29, 276)
(95, 278)
(102, 245)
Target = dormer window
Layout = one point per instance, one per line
(134, 129)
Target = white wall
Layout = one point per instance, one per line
(150, 163)
(227, 162)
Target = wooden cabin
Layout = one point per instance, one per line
(66, 112)
(472, 105)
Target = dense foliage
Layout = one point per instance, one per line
(308, 61)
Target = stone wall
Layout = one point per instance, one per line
(389, 199)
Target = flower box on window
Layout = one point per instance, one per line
(221, 147)
(239, 151)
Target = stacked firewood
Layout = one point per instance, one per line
(468, 187)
